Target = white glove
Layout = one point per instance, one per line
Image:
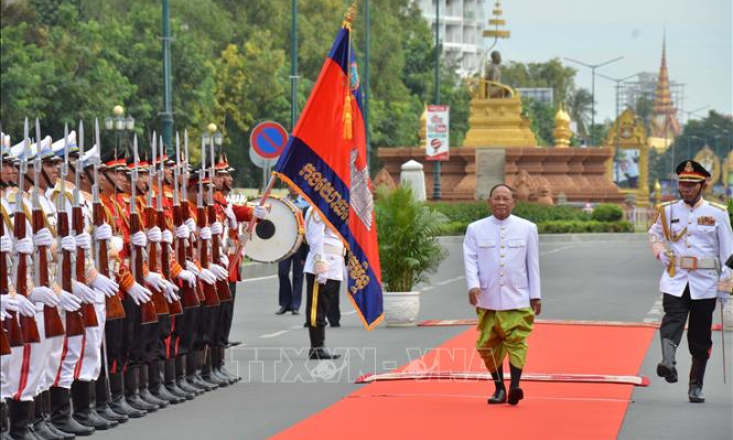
(84, 293)
(193, 268)
(154, 235)
(664, 258)
(24, 246)
(259, 212)
(321, 278)
(105, 285)
(6, 244)
(45, 295)
(69, 302)
(103, 232)
(190, 224)
(167, 237)
(171, 296)
(207, 276)
(219, 272)
(188, 277)
(84, 241)
(9, 304)
(216, 228)
(43, 238)
(224, 260)
(25, 306)
(3, 316)
(182, 231)
(155, 281)
(723, 296)
(139, 294)
(229, 212)
(68, 243)
(320, 267)
(139, 239)
(117, 243)
(205, 233)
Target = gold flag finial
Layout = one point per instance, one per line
(350, 15)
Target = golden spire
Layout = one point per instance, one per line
(664, 115)
(562, 130)
(350, 15)
(497, 22)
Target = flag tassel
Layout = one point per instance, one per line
(348, 118)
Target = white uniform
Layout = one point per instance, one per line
(324, 242)
(501, 257)
(702, 232)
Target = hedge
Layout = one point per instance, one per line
(573, 227)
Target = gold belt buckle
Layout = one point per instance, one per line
(689, 263)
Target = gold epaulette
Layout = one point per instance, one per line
(719, 206)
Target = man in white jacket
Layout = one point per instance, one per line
(501, 259)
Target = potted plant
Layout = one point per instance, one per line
(408, 251)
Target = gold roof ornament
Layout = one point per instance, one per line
(350, 15)
(562, 130)
(495, 23)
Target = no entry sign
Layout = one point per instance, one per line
(268, 139)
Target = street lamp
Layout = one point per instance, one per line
(120, 124)
(593, 68)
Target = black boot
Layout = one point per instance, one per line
(21, 415)
(4, 421)
(132, 391)
(192, 378)
(181, 379)
(697, 373)
(155, 385)
(40, 428)
(100, 401)
(46, 399)
(207, 371)
(199, 380)
(81, 395)
(169, 381)
(221, 368)
(61, 414)
(118, 403)
(666, 368)
(318, 340)
(515, 393)
(499, 395)
(144, 389)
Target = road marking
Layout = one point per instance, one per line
(269, 277)
(273, 335)
(349, 313)
(654, 314)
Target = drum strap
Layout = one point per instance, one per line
(314, 303)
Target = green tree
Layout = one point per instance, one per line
(579, 108)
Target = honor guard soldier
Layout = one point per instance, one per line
(324, 269)
(691, 237)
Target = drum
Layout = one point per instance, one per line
(279, 235)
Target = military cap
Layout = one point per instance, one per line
(691, 171)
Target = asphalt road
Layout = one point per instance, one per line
(589, 278)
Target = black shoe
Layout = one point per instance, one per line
(106, 412)
(175, 390)
(119, 405)
(697, 374)
(498, 397)
(201, 384)
(89, 417)
(321, 353)
(294, 312)
(148, 397)
(281, 311)
(231, 377)
(335, 324)
(184, 385)
(666, 368)
(139, 404)
(515, 395)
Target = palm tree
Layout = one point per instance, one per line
(579, 106)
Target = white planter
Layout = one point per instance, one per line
(401, 308)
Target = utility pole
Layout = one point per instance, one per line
(436, 165)
(366, 83)
(294, 66)
(167, 114)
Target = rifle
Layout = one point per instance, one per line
(211, 297)
(10, 336)
(28, 328)
(174, 307)
(74, 320)
(51, 318)
(77, 223)
(115, 309)
(222, 286)
(151, 220)
(186, 210)
(148, 314)
(188, 294)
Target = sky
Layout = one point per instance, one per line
(698, 32)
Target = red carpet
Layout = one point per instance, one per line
(457, 409)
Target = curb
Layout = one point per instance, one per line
(568, 238)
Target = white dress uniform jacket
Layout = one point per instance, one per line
(704, 231)
(501, 257)
(324, 242)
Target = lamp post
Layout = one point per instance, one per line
(212, 135)
(437, 192)
(121, 125)
(593, 68)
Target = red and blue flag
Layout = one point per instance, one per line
(325, 161)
